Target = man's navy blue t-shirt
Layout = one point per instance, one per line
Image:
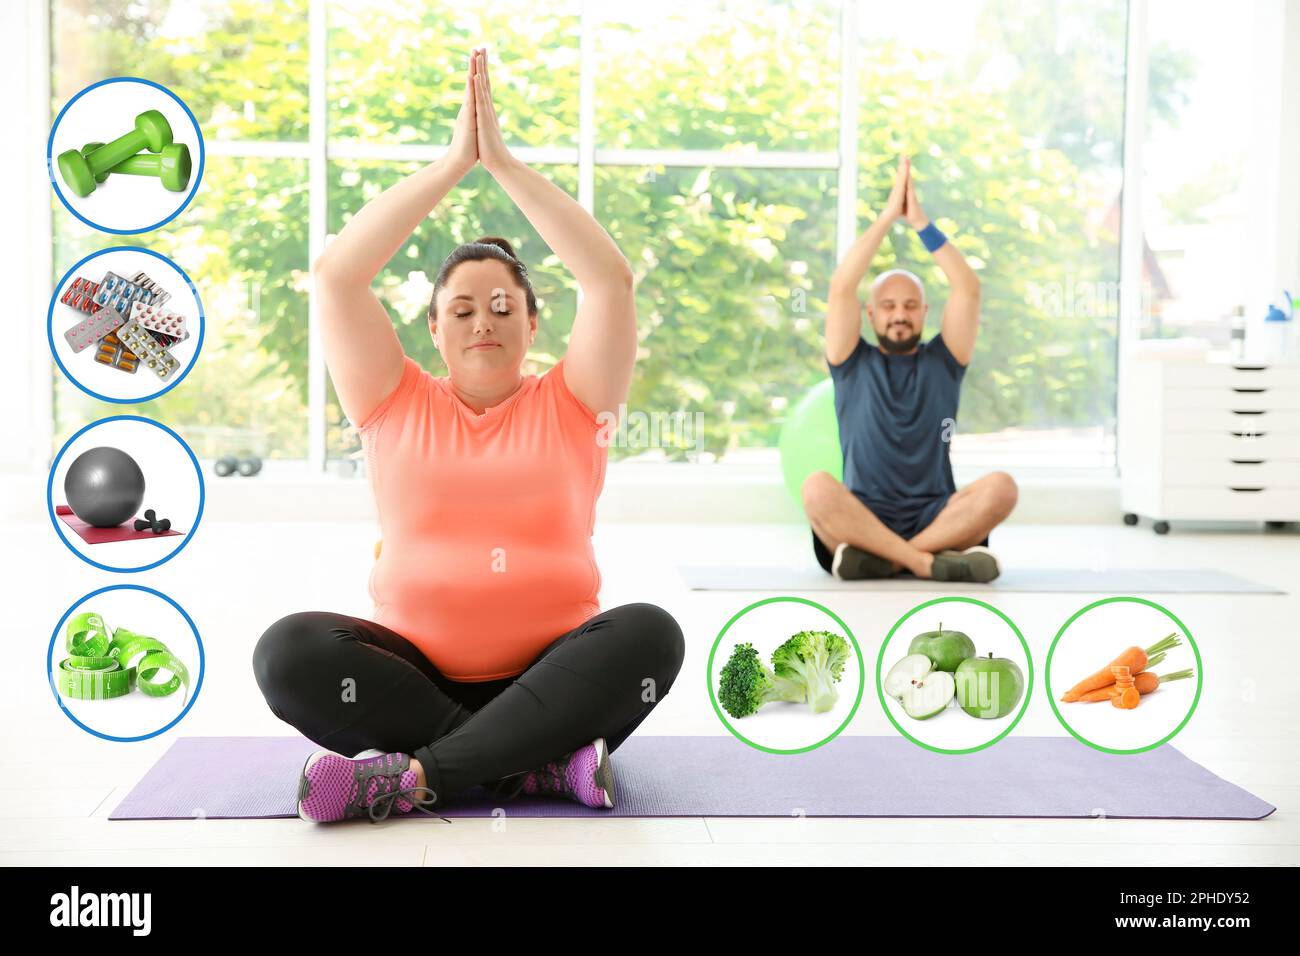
(897, 415)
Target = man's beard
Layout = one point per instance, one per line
(898, 346)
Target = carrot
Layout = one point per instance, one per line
(1127, 699)
(1146, 683)
(1134, 658)
(1125, 693)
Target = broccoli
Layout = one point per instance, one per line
(747, 684)
(814, 659)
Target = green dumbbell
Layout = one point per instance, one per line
(86, 151)
(152, 132)
(172, 165)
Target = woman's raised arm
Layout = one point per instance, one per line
(362, 351)
(602, 346)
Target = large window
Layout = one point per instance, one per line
(1013, 110)
(706, 136)
(1198, 245)
(242, 68)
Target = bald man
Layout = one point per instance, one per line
(898, 508)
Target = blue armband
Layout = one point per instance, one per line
(931, 237)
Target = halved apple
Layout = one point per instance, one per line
(922, 690)
(911, 668)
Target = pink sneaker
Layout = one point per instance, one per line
(586, 775)
(334, 787)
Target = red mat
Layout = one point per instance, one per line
(92, 535)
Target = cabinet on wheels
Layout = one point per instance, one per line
(1209, 440)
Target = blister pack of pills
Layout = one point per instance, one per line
(124, 319)
(152, 355)
(81, 295)
(114, 354)
(167, 325)
(93, 328)
(121, 293)
(158, 293)
(167, 341)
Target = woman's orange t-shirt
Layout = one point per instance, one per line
(486, 520)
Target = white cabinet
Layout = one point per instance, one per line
(1209, 440)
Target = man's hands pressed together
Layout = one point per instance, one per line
(912, 212)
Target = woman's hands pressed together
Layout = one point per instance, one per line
(476, 135)
(492, 151)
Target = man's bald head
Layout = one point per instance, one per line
(898, 282)
(897, 310)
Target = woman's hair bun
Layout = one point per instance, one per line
(503, 244)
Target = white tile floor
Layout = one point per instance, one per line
(57, 784)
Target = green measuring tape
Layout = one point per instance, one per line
(99, 667)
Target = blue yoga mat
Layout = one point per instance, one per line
(257, 777)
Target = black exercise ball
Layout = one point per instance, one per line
(104, 487)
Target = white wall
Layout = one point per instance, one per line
(24, 243)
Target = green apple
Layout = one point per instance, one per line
(989, 687)
(922, 690)
(946, 648)
(909, 669)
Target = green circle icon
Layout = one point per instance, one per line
(708, 674)
(1191, 642)
(1029, 679)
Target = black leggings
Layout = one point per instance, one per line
(351, 685)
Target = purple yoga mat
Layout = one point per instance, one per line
(240, 777)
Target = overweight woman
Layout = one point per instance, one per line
(489, 661)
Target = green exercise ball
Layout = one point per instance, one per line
(810, 439)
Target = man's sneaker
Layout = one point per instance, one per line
(978, 565)
(854, 564)
(334, 787)
(586, 775)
